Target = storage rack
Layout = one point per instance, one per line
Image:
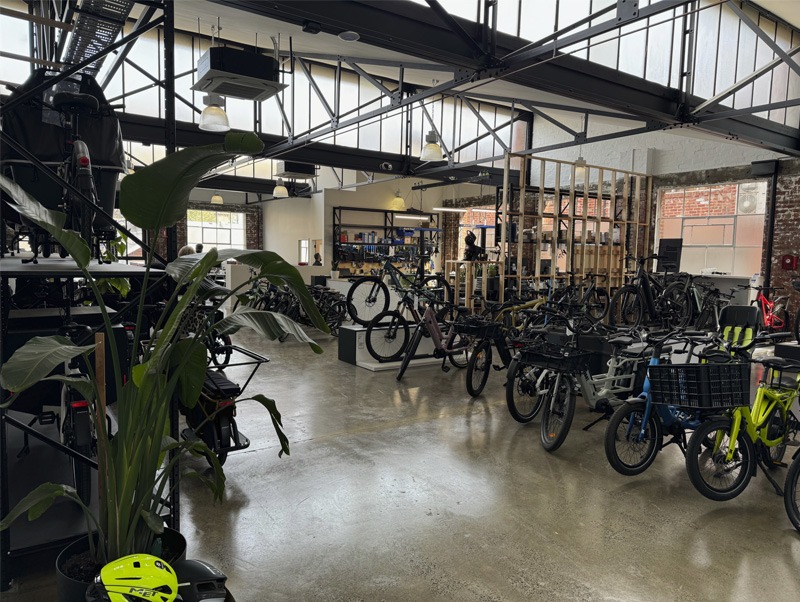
(579, 221)
(381, 227)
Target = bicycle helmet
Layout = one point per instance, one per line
(198, 581)
(134, 578)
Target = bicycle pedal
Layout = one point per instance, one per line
(445, 369)
(497, 368)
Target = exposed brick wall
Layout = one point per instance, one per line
(254, 231)
(786, 240)
(450, 222)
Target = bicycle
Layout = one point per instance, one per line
(709, 305)
(592, 299)
(369, 296)
(723, 453)
(646, 296)
(773, 314)
(387, 333)
(545, 375)
(448, 343)
(636, 429)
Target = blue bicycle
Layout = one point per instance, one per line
(636, 430)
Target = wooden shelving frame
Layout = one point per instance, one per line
(589, 220)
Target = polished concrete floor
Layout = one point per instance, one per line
(415, 491)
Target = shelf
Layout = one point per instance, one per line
(379, 244)
(373, 226)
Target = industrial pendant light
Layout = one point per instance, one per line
(216, 199)
(214, 118)
(431, 151)
(580, 162)
(280, 191)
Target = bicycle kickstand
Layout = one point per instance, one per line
(773, 482)
(445, 367)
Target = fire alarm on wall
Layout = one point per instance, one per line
(789, 262)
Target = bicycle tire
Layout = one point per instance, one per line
(222, 424)
(706, 465)
(790, 492)
(626, 307)
(220, 348)
(525, 390)
(411, 350)
(625, 451)
(597, 304)
(81, 473)
(387, 336)
(335, 315)
(676, 306)
(478, 368)
(459, 359)
(557, 413)
(773, 455)
(783, 316)
(366, 298)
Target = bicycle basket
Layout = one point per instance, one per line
(703, 386)
(554, 357)
(477, 327)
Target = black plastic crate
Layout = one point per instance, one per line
(555, 357)
(703, 386)
(479, 328)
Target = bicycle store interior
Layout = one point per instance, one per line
(473, 299)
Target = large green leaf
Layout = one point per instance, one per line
(49, 220)
(81, 384)
(267, 265)
(270, 324)
(190, 358)
(37, 502)
(272, 408)
(157, 196)
(36, 359)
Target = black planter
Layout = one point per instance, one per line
(71, 590)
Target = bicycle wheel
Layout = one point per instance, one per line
(710, 473)
(791, 493)
(77, 441)
(222, 424)
(676, 306)
(335, 315)
(437, 289)
(781, 321)
(387, 336)
(631, 445)
(366, 299)
(597, 304)
(478, 367)
(773, 455)
(525, 389)
(626, 307)
(411, 350)
(460, 358)
(557, 412)
(219, 347)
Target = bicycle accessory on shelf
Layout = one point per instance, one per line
(134, 578)
(199, 581)
(711, 386)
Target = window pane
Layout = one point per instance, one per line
(210, 235)
(223, 237)
(237, 238)
(750, 231)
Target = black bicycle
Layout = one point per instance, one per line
(369, 296)
(649, 299)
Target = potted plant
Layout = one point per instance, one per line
(334, 268)
(134, 465)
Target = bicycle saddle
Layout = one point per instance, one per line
(70, 102)
(780, 363)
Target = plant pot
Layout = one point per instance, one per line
(73, 590)
(334, 274)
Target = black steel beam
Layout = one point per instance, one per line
(412, 29)
(150, 130)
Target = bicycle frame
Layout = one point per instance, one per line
(618, 379)
(767, 399)
(768, 314)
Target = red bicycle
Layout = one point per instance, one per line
(773, 315)
(796, 285)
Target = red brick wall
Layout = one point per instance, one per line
(786, 240)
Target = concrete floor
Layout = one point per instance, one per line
(414, 491)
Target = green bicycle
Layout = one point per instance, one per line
(723, 453)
